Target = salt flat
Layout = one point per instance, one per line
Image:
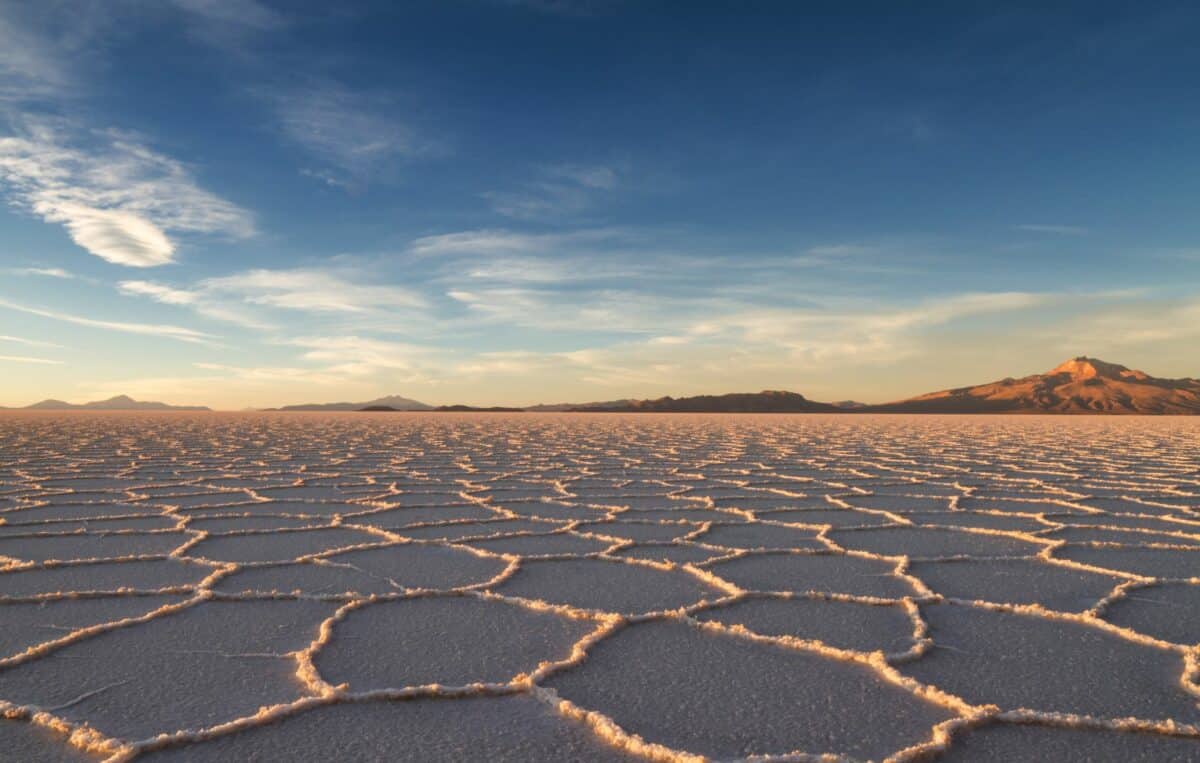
(371, 587)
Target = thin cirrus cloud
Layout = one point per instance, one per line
(116, 198)
(47, 272)
(240, 298)
(23, 359)
(145, 329)
(1057, 230)
(355, 136)
(558, 191)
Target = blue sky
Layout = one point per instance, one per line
(244, 203)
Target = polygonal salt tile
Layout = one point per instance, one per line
(27, 743)
(1016, 581)
(1002, 743)
(541, 545)
(371, 571)
(834, 517)
(606, 585)
(1025, 661)
(726, 697)
(205, 665)
(1127, 537)
(977, 519)
(845, 625)
(92, 546)
(238, 524)
(932, 542)
(675, 553)
(278, 546)
(759, 535)
(404, 517)
(458, 531)
(831, 573)
(1168, 611)
(103, 576)
(450, 640)
(1150, 562)
(27, 624)
(513, 729)
(638, 531)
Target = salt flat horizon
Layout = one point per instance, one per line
(259, 586)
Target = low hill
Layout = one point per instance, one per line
(768, 401)
(394, 402)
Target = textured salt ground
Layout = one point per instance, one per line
(27, 743)
(1057, 666)
(278, 547)
(256, 626)
(1168, 611)
(1002, 743)
(198, 667)
(446, 640)
(27, 624)
(76, 546)
(1016, 581)
(840, 624)
(832, 573)
(678, 686)
(535, 545)
(607, 586)
(494, 728)
(104, 576)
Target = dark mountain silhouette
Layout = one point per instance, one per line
(394, 402)
(768, 401)
(1079, 386)
(118, 403)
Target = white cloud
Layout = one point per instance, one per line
(159, 292)
(145, 329)
(117, 198)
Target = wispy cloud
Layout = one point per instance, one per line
(145, 329)
(117, 198)
(311, 290)
(47, 272)
(22, 359)
(558, 191)
(356, 136)
(1057, 230)
(27, 342)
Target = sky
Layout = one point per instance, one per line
(245, 203)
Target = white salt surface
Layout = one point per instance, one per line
(598, 587)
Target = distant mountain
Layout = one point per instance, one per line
(553, 407)
(477, 409)
(848, 404)
(768, 401)
(1079, 386)
(394, 402)
(118, 403)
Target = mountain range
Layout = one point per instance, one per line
(118, 403)
(1081, 385)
